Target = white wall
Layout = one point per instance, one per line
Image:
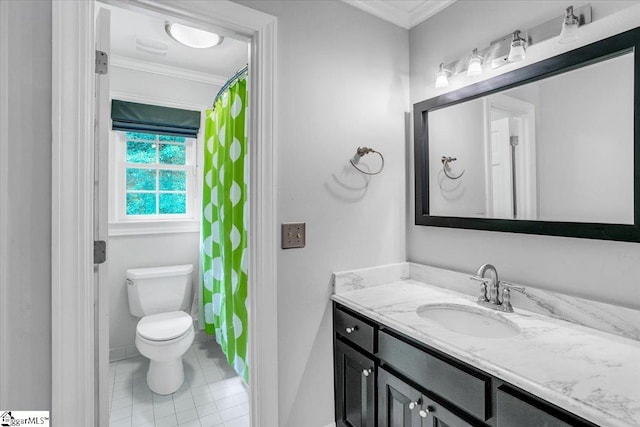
(601, 270)
(26, 277)
(451, 136)
(342, 82)
(585, 158)
(153, 250)
(156, 86)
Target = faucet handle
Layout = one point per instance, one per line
(512, 287)
(483, 287)
(506, 295)
(480, 279)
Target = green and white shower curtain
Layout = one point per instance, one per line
(224, 225)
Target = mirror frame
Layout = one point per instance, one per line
(626, 42)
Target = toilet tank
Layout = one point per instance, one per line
(159, 289)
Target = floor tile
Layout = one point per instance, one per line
(123, 422)
(141, 417)
(207, 409)
(120, 413)
(238, 422)
(188, 415)
(213, 420)
(168, 421)
(210, 396)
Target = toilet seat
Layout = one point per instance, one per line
(164, 326)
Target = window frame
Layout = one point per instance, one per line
(122, 224)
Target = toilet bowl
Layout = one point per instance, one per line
(163, 339)
(159, 296)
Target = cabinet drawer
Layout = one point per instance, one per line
(354, 329)
(516, 409)
(466, 390)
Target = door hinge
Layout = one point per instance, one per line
(513, 140)
(102, 62)
(99, 251)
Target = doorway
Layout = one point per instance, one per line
(74, 357)
(154, 208)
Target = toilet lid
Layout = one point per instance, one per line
(164, 326)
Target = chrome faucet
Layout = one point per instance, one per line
(492, 285)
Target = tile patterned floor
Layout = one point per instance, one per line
(211, 396)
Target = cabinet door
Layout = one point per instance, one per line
(435, 415)
(355, 387)
(398, 402)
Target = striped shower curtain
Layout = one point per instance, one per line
(224, 225)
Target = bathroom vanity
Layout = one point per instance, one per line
(412, 347)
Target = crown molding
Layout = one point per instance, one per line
(166, 70)
(426, 10)
(385, 9)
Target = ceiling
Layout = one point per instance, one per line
(404, 13)
(139, 41)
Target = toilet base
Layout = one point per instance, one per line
(165, 377)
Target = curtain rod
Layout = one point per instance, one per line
(229, 82)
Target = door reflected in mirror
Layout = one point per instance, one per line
(559, 149)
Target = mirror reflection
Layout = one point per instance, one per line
(557, 149)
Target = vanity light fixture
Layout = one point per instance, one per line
(570, 24)
(192, 37)
(512, 47)
(475, 64)
(517, 52)
(442, 77)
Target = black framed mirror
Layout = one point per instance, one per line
(550, 148)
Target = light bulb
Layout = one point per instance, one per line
(192, 37)
(475, 64)
(569, 33)
(518, 50)
(441, 77)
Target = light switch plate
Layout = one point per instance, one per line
(293, 235)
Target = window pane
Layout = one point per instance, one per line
(172, 154)
(141, 203)
(141, 152)
(172, 138)
(141, 179)
(173, 180)
(143, 136)
(173, 203)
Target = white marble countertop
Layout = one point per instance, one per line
(591, 373)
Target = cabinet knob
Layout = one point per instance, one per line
(426, 411)
(352, 329)
(367, 372)
(415, 404)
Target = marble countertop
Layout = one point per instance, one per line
(591, 373)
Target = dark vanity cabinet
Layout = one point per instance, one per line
(401, 405)
(385, 379)
(357, 389)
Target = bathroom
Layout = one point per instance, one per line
(345, 79)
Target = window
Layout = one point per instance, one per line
(154, 177)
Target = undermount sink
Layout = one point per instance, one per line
(470, 321)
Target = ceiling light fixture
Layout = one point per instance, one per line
(570, 24)
(475, 64)
(442, 75)
(517, 52)
(192, 37)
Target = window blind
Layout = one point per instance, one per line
(134, 117)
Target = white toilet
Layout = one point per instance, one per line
(159, 295)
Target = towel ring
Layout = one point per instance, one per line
(445, 164)
(361, 151)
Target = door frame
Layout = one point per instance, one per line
(72, 323)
